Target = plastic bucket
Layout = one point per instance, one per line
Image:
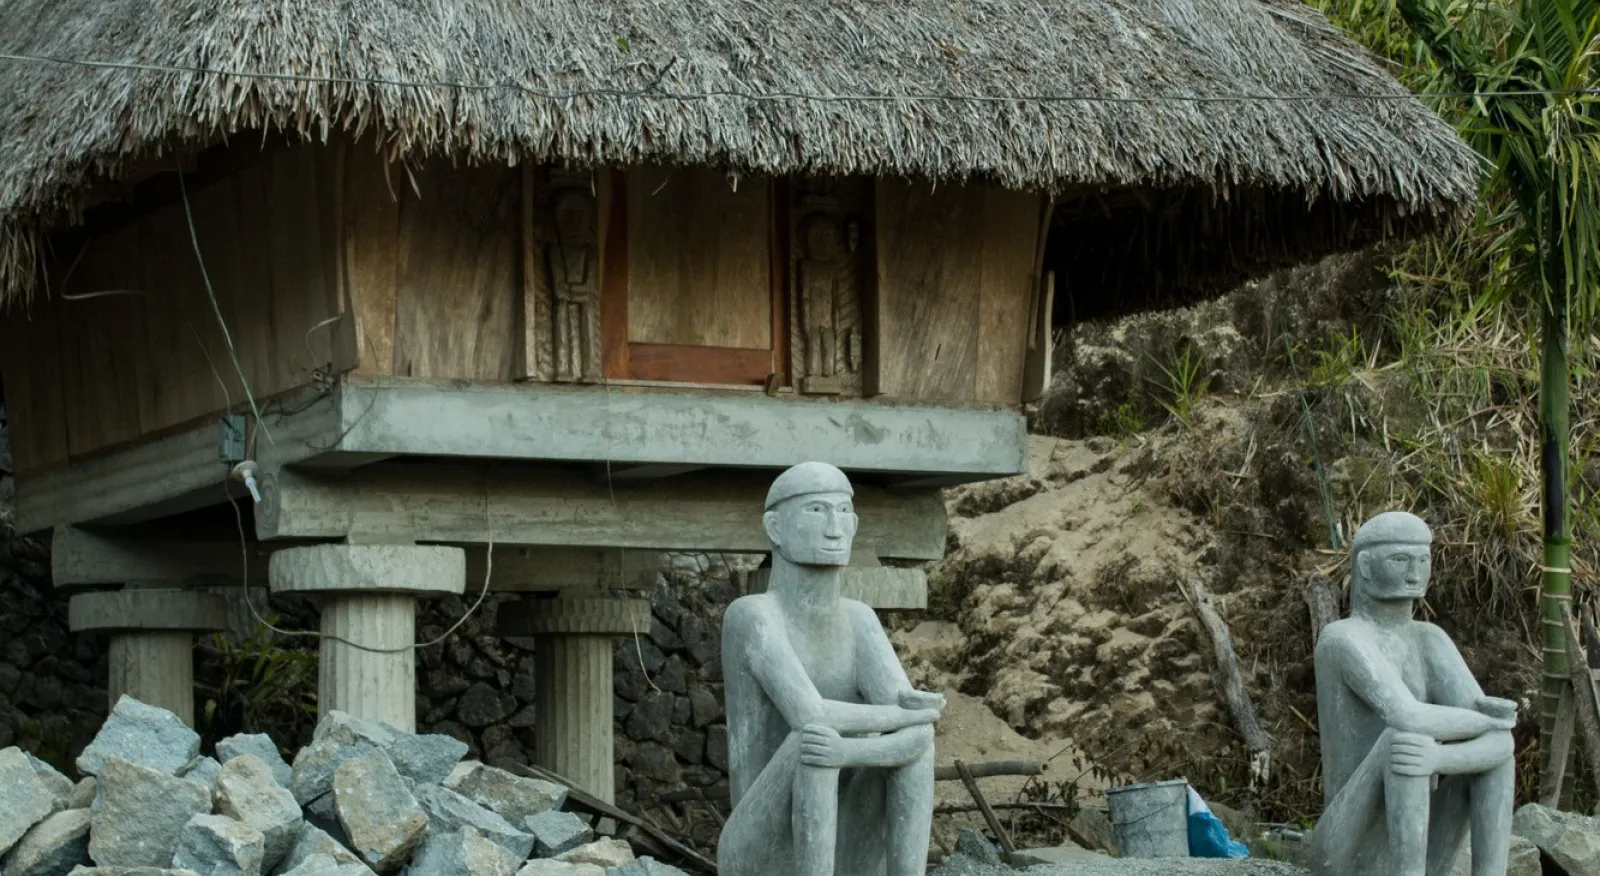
(1151, 820)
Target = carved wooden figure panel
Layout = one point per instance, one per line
(829, 259)
(573, 259)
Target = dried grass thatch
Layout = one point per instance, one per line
(1391, 161)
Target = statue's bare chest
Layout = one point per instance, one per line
(828, 655)
(1408, 655)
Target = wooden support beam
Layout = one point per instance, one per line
(83, 559)
(717, 512)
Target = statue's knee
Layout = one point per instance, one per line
(1505, 746)
(923, 735)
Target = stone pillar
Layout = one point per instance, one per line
(368, 598)
(151, 651)
(572, 700)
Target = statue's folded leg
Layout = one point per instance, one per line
(886, 813)
(758, 839)
(1354, 833)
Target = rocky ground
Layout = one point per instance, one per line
(363, 798)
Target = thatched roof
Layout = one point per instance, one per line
(964, 90)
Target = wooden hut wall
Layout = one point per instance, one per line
(955, 287)
(126, 342)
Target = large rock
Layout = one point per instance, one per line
(645, 866)
(552, 867)
(139, 813)
(217, 845)
(53, 847)
(203, 770)
(141, 734)
(605, 853)
(555, 832)
(507, 795)
(313, 841)
(425, 759)
(327, 865)
(25, 799)
(247, 791)
(1524, 860)
(130, 872)
(262, 746)
(83, 793)
(58, 784)
(448, 812)
(463, 852)
(1571, 840)
(378, 813)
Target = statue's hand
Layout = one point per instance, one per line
(1413, 754)
(821, 746)
(921, 700)
(1495, 707)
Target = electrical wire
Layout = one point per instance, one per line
(654, 90)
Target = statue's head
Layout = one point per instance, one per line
(1389, 558)
(810, 515)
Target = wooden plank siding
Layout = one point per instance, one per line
(954, 279)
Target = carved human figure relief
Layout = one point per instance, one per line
(1413, 752)
(828, 300)
(830, 748)
(573, 260)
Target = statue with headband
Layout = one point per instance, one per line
(1413, 752)
(830, 748)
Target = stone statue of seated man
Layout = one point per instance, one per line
(830, 749)
(1413, 752)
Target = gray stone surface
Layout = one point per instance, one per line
(555, 832)
(551, 867)
(141, 734)
(1524, 860)
(53, 847)
(961, 865)
(800, 649)
(506, 794)
(246, 790)
(463, 852)
(260, 745)
(1384, 744)
(1066, 853)
(425, 759)
(379, 815)
(129, 871)
(448, 812)
(139, 813)
(83, 793)
(607, 853)
(59, 785)
(328, 865)
(645, 866)
(1571, 840)
(313, 841)
(202, 769)
(25, 799)
(217, 845)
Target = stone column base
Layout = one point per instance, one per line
(151, 652)
(369, 597)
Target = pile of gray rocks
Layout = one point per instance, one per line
(363, 798)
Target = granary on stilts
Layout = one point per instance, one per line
(576, 280)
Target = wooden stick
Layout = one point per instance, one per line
(1582, 684)
(940, 774)
(1560, 751)
(957, 808)
(594, 805)
(1007, 850)
(1322, 601)
(1231, 685)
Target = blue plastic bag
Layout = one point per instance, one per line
(1208, 838)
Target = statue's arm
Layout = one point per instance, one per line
(1453, 683)
(878, 671)
(779, 672)
(1371, 678)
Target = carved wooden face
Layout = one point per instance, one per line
(1394, 571)
(816, 529)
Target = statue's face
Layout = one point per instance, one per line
(1395, 571)
(814, 529)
